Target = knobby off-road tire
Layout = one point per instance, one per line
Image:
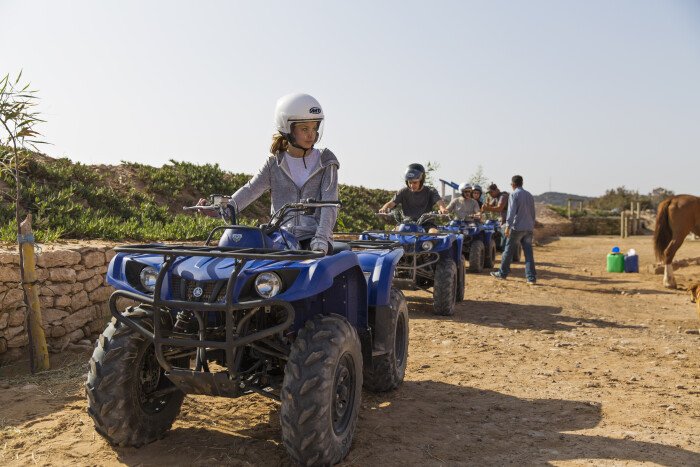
(476, 256)
(445, 287)
(490, 258)
(388, 370)
(123, 372)
(321, 392)
(460, 280)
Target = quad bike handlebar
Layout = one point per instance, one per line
(399, 217)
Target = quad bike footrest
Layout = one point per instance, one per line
(199, 382)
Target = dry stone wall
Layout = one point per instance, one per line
(72, 293)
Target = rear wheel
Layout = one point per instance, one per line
(445, 286)
(388, 370)
(476, 256)
(130, 399)
(490, 259)
(321, 392)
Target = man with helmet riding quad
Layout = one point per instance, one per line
(295, 171)
(464, 207)
(416, 199)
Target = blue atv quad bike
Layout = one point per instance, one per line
(430, 261)
(251, 314)
(480, 242)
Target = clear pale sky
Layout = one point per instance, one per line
(577, 96)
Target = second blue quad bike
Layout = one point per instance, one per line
(251, 313)
(431, 261)
(481, 241)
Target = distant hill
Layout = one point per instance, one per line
(558, 199)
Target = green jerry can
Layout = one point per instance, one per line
(616, 261)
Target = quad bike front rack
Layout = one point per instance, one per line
(228, 383)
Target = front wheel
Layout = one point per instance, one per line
(490, 254)
(130, 399)
(445, 286)
(321, 391)
(476, 256)
(388, 370)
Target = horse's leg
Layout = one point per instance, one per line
(669, 253)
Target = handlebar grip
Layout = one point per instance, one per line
(203, 208)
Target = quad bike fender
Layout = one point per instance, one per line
(117, 269)
(378, 268)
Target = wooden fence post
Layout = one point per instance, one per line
(37, 339)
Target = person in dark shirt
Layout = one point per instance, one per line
(416, 199)
(496, 201)
(476, 194)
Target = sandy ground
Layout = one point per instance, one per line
(584, 368)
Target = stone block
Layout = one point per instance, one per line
(42, 274)
(109, 254)
(9, 273)
(52, 314)
(78, 319)
(45, 302)
(92, 259)
(51, 259)
(101, 294)
(62, 275)
(16, 317)
(20, 340)
(10, 333)
(4, 318)
(62, 301)
(3, 345)
(97, 325)
(12, 298)
(93, 283)
(11, 258)
(57, 331)
(77, 287)
(56, 289)
(76, 335)
(79, 300)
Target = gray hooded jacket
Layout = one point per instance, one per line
(322, 185)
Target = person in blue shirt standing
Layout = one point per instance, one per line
(520, 222)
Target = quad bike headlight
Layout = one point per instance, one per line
(148, 277)
(426, 246)
(268, 284)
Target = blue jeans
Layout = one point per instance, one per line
(523, 237)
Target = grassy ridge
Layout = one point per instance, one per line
(139, 202)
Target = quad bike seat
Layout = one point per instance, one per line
(340, 246)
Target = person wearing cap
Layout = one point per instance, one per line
(520, 223)
(416, 198)
(464, 207)
(496, 201)
(295, 171)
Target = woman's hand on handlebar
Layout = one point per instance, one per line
(206, 212)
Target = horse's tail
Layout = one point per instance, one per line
(662, 232)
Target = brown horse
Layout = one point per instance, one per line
(676, 218)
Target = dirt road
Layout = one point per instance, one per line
(584, 368)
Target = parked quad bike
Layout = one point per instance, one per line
(431, 262)
(251, 314)
(481, 241)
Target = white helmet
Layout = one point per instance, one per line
(294, 108)
(464, 186)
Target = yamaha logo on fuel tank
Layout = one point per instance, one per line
(236, 237)
(197, 292)
(315, 110)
